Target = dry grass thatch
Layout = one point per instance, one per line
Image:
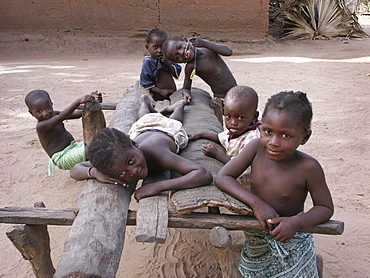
(312, 19)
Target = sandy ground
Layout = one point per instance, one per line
(334, 74)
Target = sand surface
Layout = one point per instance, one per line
(334, 74)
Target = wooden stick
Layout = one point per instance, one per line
(195, 220)
(104, 106)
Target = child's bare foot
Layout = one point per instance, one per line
(170, 109)
(320, 265)
(144, 98)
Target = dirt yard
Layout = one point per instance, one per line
(333, 73)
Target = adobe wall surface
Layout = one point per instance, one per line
(237, 20)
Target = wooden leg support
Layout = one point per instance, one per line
(221, 240)
(34, 244)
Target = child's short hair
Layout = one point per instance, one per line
(35, 94)
(296, 102)
(172, 38)
(240, 92)
(105, 146)
(155, 31)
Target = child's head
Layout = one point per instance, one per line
(286, 124)
(39, 104)
(113, 153)
(240, 109)
(154, 41)
(178, 50)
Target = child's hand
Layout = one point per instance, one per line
(286, 228)
(187, 96)
(210, 150)
(107, 179)
(197, 42)
(263, 212)
(86, 98)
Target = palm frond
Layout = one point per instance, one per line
(316, 19)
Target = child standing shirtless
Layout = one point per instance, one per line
(152, 147)
(57, 142)
(202, 58)
(157, 71)
(242, 126)
(281, 178)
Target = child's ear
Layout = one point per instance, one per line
(146, 46)
(306, 136)
(255, 117)
(134, 144)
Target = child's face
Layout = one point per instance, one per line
(180, 51)
(238, 116)
(130, 165)
(281, 134)
(42, 109)
(155, 46)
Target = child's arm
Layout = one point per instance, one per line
(226, 181)
(186, 88)
(193, 175)
(321, 211)
(173, 68)
(85, 170)
(63, 115)
(209, 149)
(218, 48)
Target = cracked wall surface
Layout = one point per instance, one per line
(212, 19)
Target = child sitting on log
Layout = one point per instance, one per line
(57, 142)
(152, 147)
(242, 126)
(202, 58)
(157, 71)
(281, 178)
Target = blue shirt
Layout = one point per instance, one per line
(150, 69)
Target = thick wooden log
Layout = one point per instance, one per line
(220, 239)
(92, 120)
(200, 117)
(195, 220)
(95, 242)
(33, 243)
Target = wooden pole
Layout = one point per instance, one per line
(221, 241)
(92, 120)
(95, 241)
(33, 243)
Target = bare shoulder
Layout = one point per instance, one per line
(309, 163)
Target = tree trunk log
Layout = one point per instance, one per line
(95, 242)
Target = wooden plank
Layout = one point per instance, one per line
(200, 117)
(104, 106)
(195, 220)
(152, 214)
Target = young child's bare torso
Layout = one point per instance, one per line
(214, 71)
(285, 193)
(55, 139)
